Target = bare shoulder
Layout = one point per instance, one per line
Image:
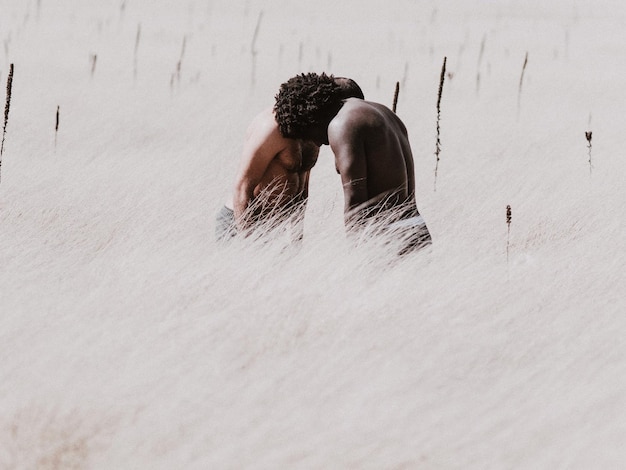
(263, 130)
(263, 123)
(367, 116)
(357, 116)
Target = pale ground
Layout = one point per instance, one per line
(129, 340)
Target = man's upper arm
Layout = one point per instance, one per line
(260, 147)
(348, 145)
(263, 141)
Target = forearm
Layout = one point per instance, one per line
(356, 203)
(241, 203)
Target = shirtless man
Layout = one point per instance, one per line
(372, 154)
(272, 183)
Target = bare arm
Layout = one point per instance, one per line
(297, 216)
(263, 142)
(304, 178)
(348, 145)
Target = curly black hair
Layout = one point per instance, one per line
(309, 100)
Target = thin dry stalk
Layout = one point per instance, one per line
(480, 59)
(135, 53)
(175, 77)
(56, 128)
(253, 50)
(588, 135)
(433, 15)
(6, 43)
(521, 81)
(6, 111)
(7, 106)
(94, 59)
(405, 75)
(438, 144)
(508, 231)
(180, 60)
(395, 96)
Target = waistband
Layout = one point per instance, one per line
(415, 221)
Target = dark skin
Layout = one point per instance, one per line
(373, 157)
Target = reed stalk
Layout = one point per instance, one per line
(180, 60)
(480, 59)
(588, 135)
(136, 51)
(94, 59)
(253, 50)
(438, 144)
(405, 75)
(395, 96)
(521, 81)
(56, 128)
(6, 42)
(508, 231)
(7, 106)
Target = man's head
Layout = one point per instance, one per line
(306, 104)
(349, 88)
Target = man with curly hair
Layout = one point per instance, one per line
(372, 155)
(271, 186)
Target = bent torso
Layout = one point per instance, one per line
(286, 177)
(273, 170)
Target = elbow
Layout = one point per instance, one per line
(243, 191)
(243, 194)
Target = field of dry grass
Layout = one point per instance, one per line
(129, 339)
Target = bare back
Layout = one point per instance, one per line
(372, 155)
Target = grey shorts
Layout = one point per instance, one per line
(225, 228)
(413, 233)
